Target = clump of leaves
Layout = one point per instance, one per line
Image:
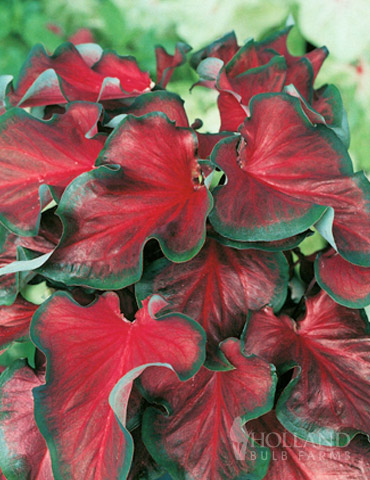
(190, 333)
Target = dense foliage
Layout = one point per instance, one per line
(190, 331)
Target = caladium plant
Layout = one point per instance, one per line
(192, 331)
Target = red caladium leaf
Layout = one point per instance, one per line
(327, 108)
(290, 169)
(23, 452)
(329, 394)
(245, 60)
(158, 189)
(196, 439)
(266, 78)
(302, 70)
(173, 106)
(167, 63)
(83, 35)
(256, 67)
(349, 286)
(70, 75)
(207, 142)
(296, 459)
(300, 74)
(276, 246)
(235, 60)
(215, 73)
(9, 284)
(244, 76)
(13, 247)
(15, 321)
(278, 43)
(158, 101)
(327, 100)
(135, 408)
(72, 410)
(218, 287)
(35, 153)
(143, 466)
(224, 49)
(232, 112)
(50, 232)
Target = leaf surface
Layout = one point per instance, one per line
(109, 213)
(15, 321)
(243, 83)
(73, 410)
(223, 48)
(295, 459)
(36, 153)
(291, 169)
(218, 287)
(195, 439)
(302, 70)
(23, 452)
(347, 283)
(166, 63)
(327, 401)
(69, 75)
(158, 101)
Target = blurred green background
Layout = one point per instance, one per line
(135, 26)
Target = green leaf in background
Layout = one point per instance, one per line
(114, 22)
(36, 31)
(6, 20)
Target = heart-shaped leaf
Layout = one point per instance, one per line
(72, 409)
(109, 214)
(291, 169)
(206, 413)
(218, 287)
(36, 153)
(302, 70)
(262, 79)
(329, 393)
